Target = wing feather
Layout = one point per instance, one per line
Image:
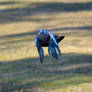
(40, 50)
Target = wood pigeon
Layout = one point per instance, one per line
(48, 39)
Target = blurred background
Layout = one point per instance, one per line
(20, 68)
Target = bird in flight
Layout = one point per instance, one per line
(48, 39)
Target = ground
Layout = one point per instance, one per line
(20, 68)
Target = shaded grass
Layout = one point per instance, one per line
(30, 74)
(29, 9)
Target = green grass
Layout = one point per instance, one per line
(20, 68)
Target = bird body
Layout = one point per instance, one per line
(48, 39)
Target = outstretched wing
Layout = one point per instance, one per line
(53, 52)
(40, 50)
(53, 45)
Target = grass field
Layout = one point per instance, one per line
(20, 68)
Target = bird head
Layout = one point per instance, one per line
(43, 32)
